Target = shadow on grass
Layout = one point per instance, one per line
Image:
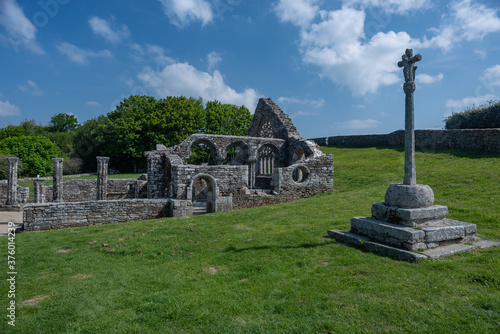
(257, 248)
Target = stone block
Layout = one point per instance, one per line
(409, 196)
(408, 216)
(380, 230)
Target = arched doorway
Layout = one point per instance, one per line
(203, 192)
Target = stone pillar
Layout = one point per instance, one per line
(156, 174)
(39, 187)
(12, 181)
(57, 173)
(252, 164)
(102, 178)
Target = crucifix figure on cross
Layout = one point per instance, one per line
(408, 64)
(408, 61)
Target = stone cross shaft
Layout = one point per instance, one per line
(408, 64)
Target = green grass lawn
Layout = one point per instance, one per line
(270, 269)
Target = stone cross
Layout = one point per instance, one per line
(408, 64)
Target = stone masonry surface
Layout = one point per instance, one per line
(61, 215)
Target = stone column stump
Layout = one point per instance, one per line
(39, 190)
(57, 174)
(102, 178)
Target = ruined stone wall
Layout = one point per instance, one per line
(318, 179)
(229, 178)
(22, 193)
(86, 190)
(487, 140)
(48, 216)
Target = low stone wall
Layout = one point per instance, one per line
(487, 140)
(49, 216)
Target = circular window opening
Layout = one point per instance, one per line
(300, 174)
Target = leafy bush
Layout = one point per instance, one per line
(483, 117)
(36, 152)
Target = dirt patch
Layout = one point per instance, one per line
(82, 276)
(212, 270)
(35, 300)
(63, 250)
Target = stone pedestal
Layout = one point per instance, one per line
(411, 233)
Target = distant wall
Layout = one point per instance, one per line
(468, 139)
(47, 216)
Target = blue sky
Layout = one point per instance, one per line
(331, 65)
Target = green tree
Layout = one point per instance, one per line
(63, 123)
(11, 131)
(225, 119)
(141, 122)
(36, 153)
(137, 125)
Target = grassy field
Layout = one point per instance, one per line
(270, 269)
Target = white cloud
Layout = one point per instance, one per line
(298, 12)
(474, 101)
(103, 28)
(158, 54)
(7, 109)
(183, 12)
(183, 79)
(293, 100)
(213, 59)
(467, 21)
(429, 79)
(304, 113)
(31, 87)
(475, 20)
(492, 75)
(360, 124)
(80, 56)
(150, 52)
(20, 31)
(359, 106)
(391, 6)
(338, 46)
(93, 104)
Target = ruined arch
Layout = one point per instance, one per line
(237, 153)
(205, 152)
